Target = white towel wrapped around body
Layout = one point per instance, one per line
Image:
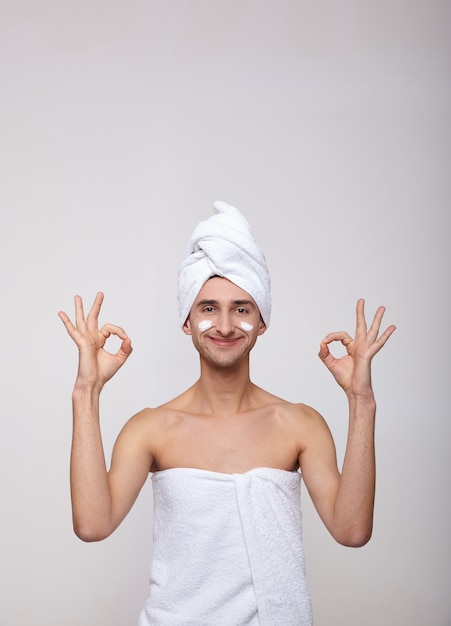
(227, 550)
(223, 245)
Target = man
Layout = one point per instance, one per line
(226, 456)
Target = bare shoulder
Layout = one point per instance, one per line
(147, 420)
(149, 423)
(135, 435)
(305, 423)
(306, 414)
(298, 412)
(141, 437)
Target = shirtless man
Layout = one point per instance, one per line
(224, 426)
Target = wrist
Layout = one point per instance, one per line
(84, 389)
(364, 400)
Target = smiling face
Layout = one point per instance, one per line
(224, 323)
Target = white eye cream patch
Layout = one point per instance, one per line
(204, 325)
(246, 326)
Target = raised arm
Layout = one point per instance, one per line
(346, 502)
(98, 503)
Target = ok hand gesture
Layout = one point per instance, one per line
(96, 365)
(353, 371)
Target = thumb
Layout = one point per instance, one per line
(324, 351)
(126, 349)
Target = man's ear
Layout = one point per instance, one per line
(262, 327)
(187, 326)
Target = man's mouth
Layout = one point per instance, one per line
(224, 341)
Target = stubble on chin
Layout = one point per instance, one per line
(222, 359)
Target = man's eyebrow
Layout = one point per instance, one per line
(245, 302)
(207, 302)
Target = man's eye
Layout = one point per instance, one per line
(208, 309)
(241, 310)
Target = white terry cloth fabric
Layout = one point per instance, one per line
(223, 245)
(227, 550)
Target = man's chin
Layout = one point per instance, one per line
(225, 361)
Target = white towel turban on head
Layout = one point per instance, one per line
(223, 245)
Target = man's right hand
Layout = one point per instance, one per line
(96, 365)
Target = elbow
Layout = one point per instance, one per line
(357, 541)
(89, 533)
(356, 537)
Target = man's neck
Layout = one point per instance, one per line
(224, 390)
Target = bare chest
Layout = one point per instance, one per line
(232, 445)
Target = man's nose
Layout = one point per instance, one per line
(224, 324)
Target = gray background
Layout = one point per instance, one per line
(327, 124)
